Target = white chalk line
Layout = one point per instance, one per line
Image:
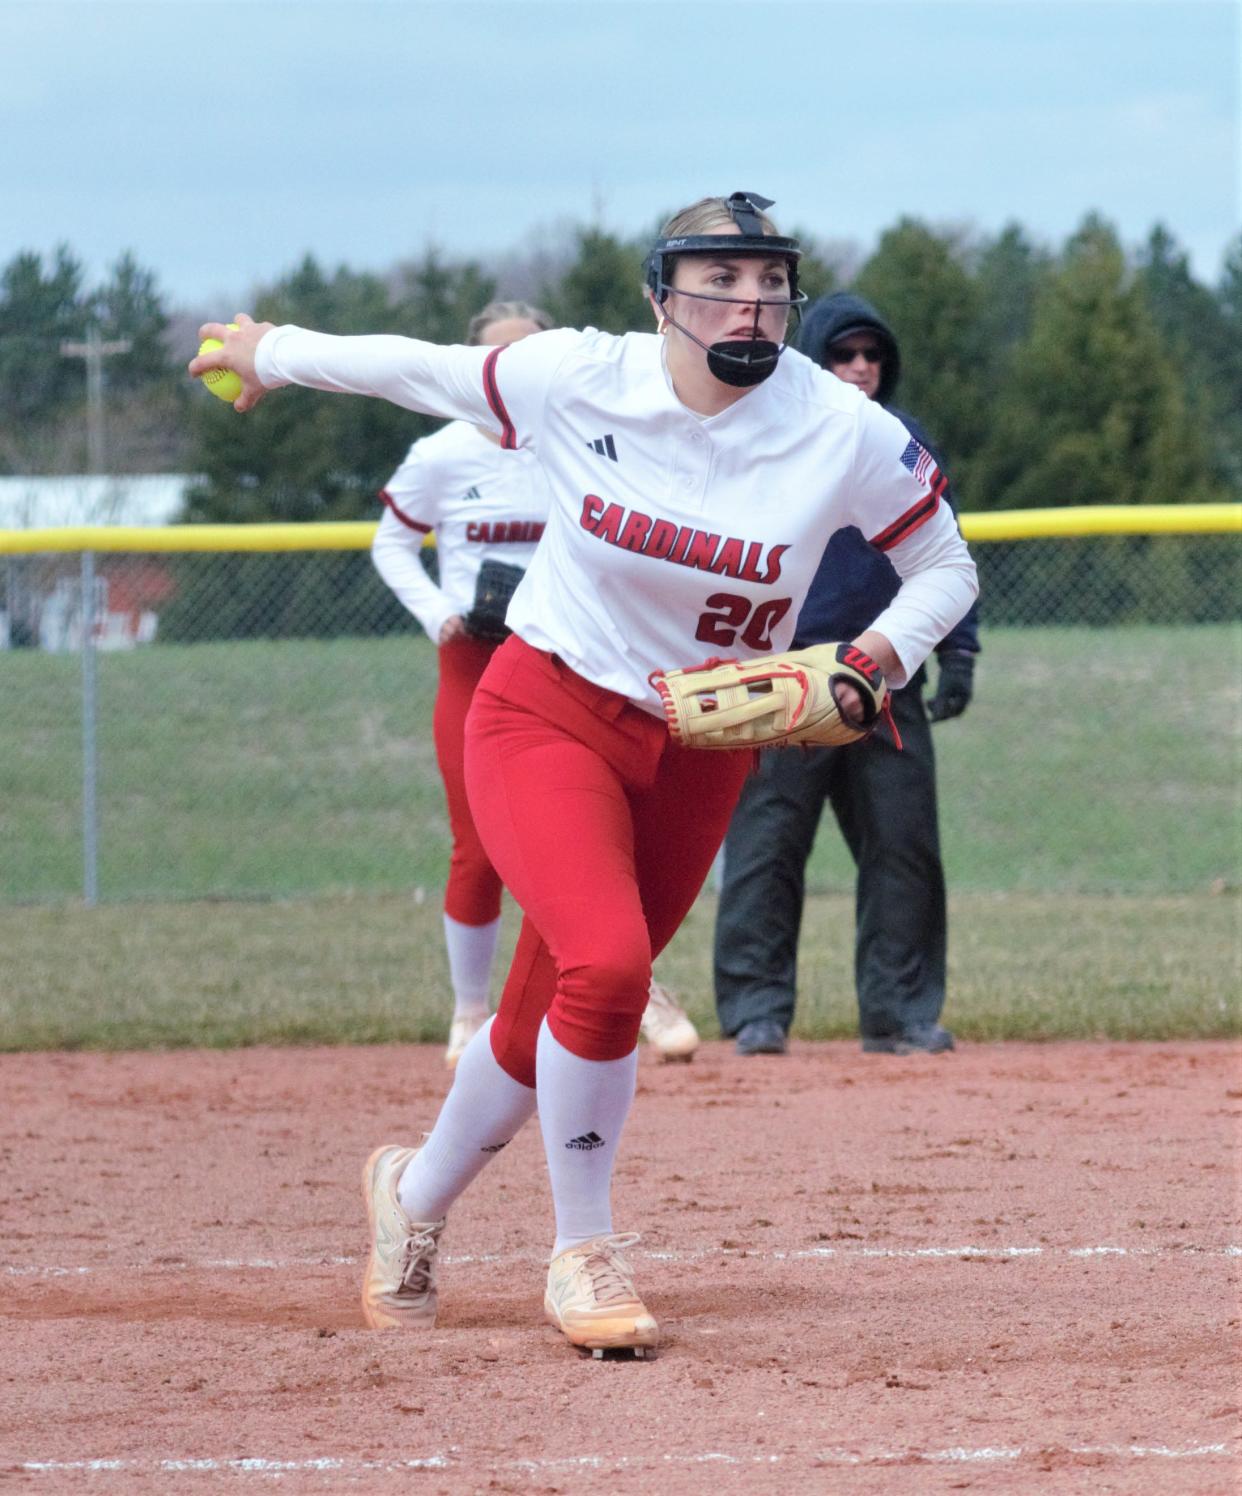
(455, 1459)
(756, 1254)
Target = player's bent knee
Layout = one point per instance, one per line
(473, 905)
(594, 1035)
(599, 1006)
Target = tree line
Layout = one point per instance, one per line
(1084, 374)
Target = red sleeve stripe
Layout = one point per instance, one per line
(918, 514)
(405, 519)
(508, 436)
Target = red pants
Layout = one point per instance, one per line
(472, 896)
(603, 830)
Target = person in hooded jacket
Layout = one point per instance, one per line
(883, 797)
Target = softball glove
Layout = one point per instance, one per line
(784, 699)
(496, 584)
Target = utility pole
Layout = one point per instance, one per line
(94, 350)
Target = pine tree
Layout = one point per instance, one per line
(129, 305)
(1093, 412)
(602, 288)
(37, 310)
(1199, 345)
(436, 300)
(1007, 277)
(1229, 370)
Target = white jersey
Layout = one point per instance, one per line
(673, 537)
(480, 501)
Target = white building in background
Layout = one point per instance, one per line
(40, 594)
(55, 503)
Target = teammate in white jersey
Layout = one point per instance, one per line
(485, 507)
(695, 479)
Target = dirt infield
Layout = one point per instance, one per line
(1010, 1269)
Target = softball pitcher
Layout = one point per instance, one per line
(695, 477)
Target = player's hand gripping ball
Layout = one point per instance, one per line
(223, 383)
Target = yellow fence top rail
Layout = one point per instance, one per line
(1011, 524)
(354, 535)
(1104, 519)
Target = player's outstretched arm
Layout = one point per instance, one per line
(455, 382)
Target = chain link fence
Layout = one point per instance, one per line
(182, 725)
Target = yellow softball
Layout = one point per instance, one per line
(223, 383)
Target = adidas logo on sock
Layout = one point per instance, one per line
(605, 446)
(496, 1147)
(586, 1142)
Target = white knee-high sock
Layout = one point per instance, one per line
(483, 1110)
(471, 951)
(583, 1105)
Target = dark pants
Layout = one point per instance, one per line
(885, 805)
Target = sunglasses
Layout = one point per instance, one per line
(846, 355)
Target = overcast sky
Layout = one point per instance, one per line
(221, 141)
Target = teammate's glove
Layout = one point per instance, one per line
(784, 699)
(496, 584)
(955, 686)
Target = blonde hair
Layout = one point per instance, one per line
(704, 217)
(505, 311)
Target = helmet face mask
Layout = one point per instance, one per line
(739, 362)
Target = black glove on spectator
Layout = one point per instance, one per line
(955, 687)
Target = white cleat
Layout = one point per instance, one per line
(399, 1284)
(666, 1026)
(592, 1301)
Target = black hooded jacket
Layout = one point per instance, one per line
(855, 582)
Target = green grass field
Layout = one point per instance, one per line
(371, 970)
(274, 844)
(1091, 762)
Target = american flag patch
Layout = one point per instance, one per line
(918, 459)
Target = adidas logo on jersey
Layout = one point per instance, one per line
(472, 493)
(586, 1142)
(605, 446)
